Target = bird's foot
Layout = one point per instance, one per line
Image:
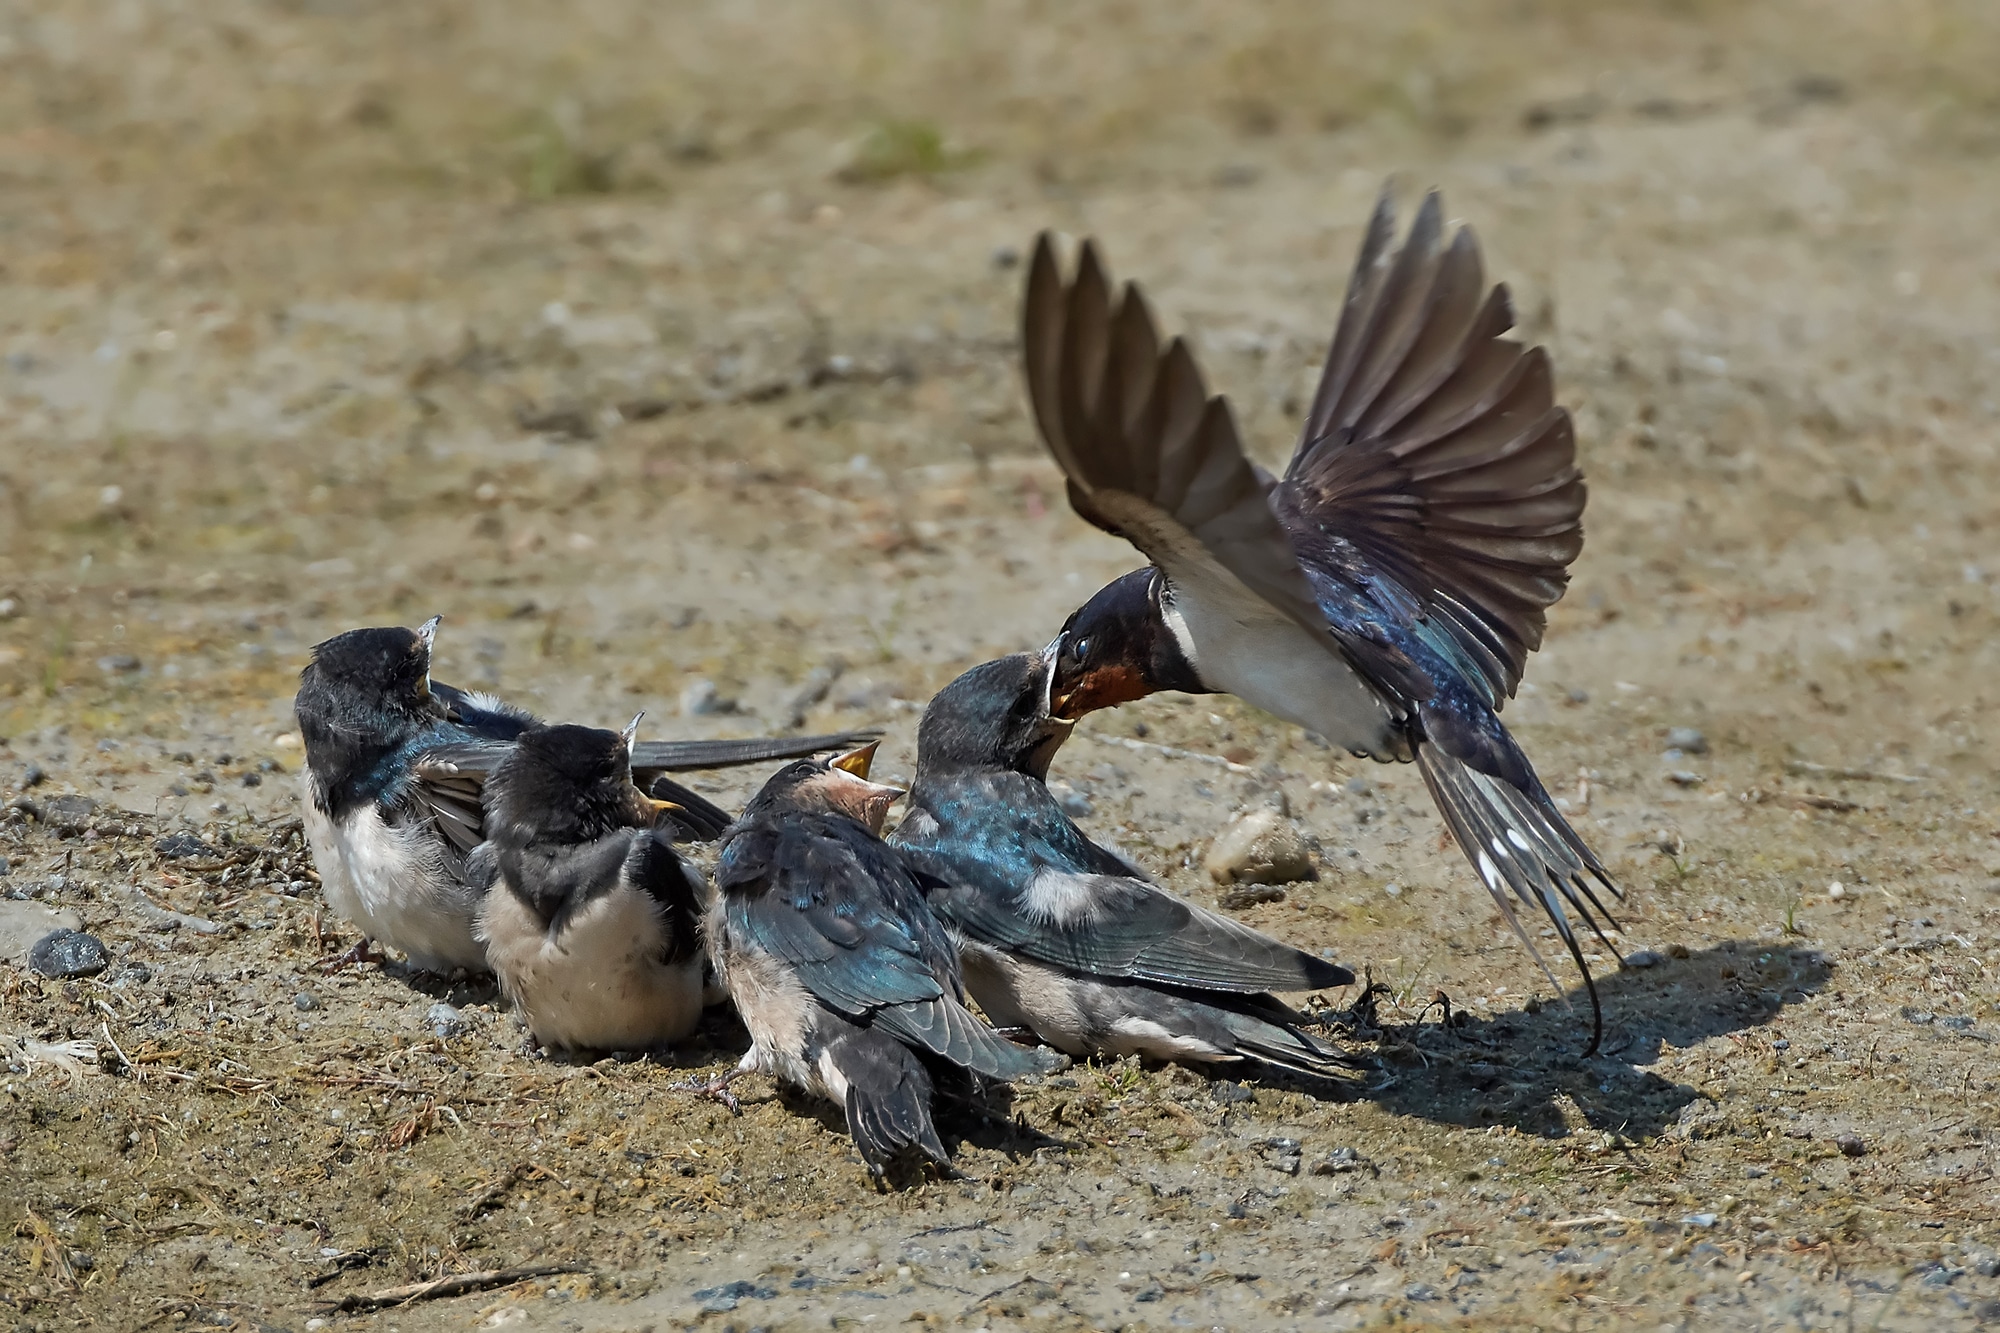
(362, 952)
(715, 1090)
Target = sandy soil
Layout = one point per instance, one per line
(655, 348)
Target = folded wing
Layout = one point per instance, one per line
(843, 912)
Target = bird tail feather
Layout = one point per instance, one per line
(888, 1101)
(1524, 850)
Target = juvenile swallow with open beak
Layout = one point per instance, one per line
(1064, 938)
(394, 764)
(848, 984)
(590, 919)
(1387, 591)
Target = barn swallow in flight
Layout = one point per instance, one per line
(394, 766)
(589, 917)
(847, 982)
(1387, 591)
(1064, 938)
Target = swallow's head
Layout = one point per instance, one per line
(568, 784)
(837, 784)
(369, 682)
(995, 716)
(1123, 644)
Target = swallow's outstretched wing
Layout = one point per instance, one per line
(1434, 446)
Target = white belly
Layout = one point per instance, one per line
(601, 984)
(1243, 646)
(391, 884)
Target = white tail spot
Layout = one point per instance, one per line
(1489, 872)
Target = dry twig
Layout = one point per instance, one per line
(440, 1288)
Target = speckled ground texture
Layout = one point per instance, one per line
(660, 345)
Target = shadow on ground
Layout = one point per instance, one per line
(1517, 1069)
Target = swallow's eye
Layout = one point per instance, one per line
(1080, 648)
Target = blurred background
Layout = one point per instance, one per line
(652, 343)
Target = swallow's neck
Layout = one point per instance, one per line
(1172, 660)
(353, 755)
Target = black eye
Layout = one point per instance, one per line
(1080, 648)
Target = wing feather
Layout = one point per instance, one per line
(1435, 447)
(1147, 453)
(837, 906)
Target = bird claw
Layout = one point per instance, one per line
(715, 1090)
(362, 952)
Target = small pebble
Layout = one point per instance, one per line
(179, 846)
(35, 776)
(117, 664)
(68, 814)
(700, 698)
(446, 1021)
(1645, 958)
(1703, 1220)
(1339, 1162)
(1261, 847)
(1836, 890)
(64, 954)
(1850, 1145)
(305, 1001)
(1681, 777)
(1687, 740)
(1250, 896)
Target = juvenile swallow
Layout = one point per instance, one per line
(1387, 591)
(589, 917)
(394, 764)
(846, 981)
(1063, 937)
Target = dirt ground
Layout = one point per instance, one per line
(661, 345)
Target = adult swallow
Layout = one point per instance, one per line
(1063, 937)
(589, 917)
(847, 982)
(394, 766)
(1387, 591)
